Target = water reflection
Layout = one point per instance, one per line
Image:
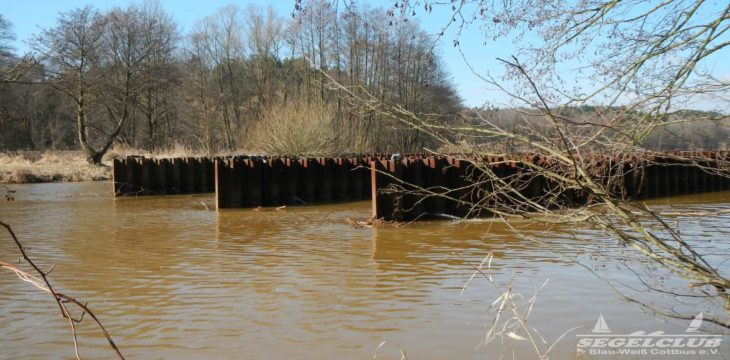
(173, 280)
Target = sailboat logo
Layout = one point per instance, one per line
(692, 342)
(601, 326)
(694, 326)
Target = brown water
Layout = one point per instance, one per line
(171, 280)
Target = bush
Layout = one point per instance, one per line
(296, 127)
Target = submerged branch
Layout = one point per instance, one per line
(41, 282)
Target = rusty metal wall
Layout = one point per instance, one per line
(415, 187)
(250, 181)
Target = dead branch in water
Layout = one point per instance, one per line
(8, 193)
(575, 175)
(41, 282)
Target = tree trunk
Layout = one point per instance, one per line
(92, 156)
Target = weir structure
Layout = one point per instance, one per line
(412, 186)
(137, 175)
(260, 181)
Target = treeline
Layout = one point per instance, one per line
(680, 130)
(241, 79)
(250, 80)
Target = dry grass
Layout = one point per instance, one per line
(296, 127)
(56, 166)
(177, 151)
(22, 167)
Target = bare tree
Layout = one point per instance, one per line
(201, 95)
(98, 62)
(6, 37)
(11, 67)
(219, 38)
(70, 52)
(125, 61)
(642, 90)
(264, 34)
(233, 65)
(363, 49)
(160, 77)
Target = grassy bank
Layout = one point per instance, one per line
(23, 167)
(57, 166)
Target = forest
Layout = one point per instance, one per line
(241, 79)
(248, 80)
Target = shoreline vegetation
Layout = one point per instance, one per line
(27, 166)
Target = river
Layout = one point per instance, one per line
(172, 280)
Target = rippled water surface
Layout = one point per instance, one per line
(172, 280)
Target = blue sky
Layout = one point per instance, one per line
(473, 91)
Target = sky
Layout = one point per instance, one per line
(482, 57)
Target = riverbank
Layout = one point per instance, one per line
(25, 167)
(56, 166)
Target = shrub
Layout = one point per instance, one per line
(296, 127)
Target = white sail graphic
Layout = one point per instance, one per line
(694, 326)
(601, 326)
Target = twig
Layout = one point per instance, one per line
(61, 299)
